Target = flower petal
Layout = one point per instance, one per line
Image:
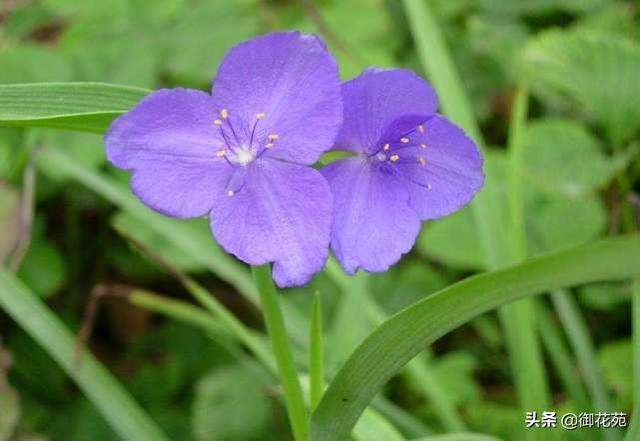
(373, 224)
(170, 142)
(375, 100)
(282, 214)
(452, 171)
(293, 80)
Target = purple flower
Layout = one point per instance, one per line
(241, 154)
(410, 164)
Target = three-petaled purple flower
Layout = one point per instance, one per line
(241, 155)
(411, 164)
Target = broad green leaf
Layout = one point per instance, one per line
(28, 63)
(616, 362)
(550, 228)
(597, 72)
(86, 107)
(230, 404)
(562, 156)
(121, 412)
(403, 336)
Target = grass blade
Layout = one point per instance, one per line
(316, 353)
(110, 398)
(403, 336)
(634, 429)
(585, 351)
(88, 107)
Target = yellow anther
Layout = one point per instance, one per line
(273, 137)
(230, 193)
(422, 161)
(217, 122)
(260, 115)
(424, 146)
(385, 147)
(268, 145)
(224, 114)
(404, 140)
(421, 129)
(221, 153)
(394, 158)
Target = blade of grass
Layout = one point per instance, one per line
(633, 434)
(404, 335)
(562, 358)
(282, 352)
(316, 353)
(103, 390)
(519, 319)
(580, 340)
(86, 107)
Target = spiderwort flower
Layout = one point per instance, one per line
(410, 164)
(241, 154)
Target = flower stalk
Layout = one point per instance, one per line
(282, 352)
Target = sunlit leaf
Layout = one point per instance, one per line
(598, 73)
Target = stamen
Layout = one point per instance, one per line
(221, 153)
(224, 114)
(421, 129)
(268, 145)
(260, 115)
(230, 193)
(217, 122)
(404, 140)
(422, 161)
(424, 146)
(385, 147)
(273, 137)
(394, 158)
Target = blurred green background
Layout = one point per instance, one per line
(582, 174)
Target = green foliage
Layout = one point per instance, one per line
(230, 404)
(595, 71)
(581, 60)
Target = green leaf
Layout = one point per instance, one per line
(597, 72)
(459, 437)
(43, 268)
(230, 404)
(616, 361)
(562, 156)
(115, 404)
(549, 229)
(86, 107)
(403, 336)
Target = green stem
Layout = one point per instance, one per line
(578, 334)
(282, 351)
(316, 353)
(561, 358)
(634, 429)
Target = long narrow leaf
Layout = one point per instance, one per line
(403, 336)
(110, 398)
(88, 107)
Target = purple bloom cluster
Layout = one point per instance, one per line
(242, 155)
